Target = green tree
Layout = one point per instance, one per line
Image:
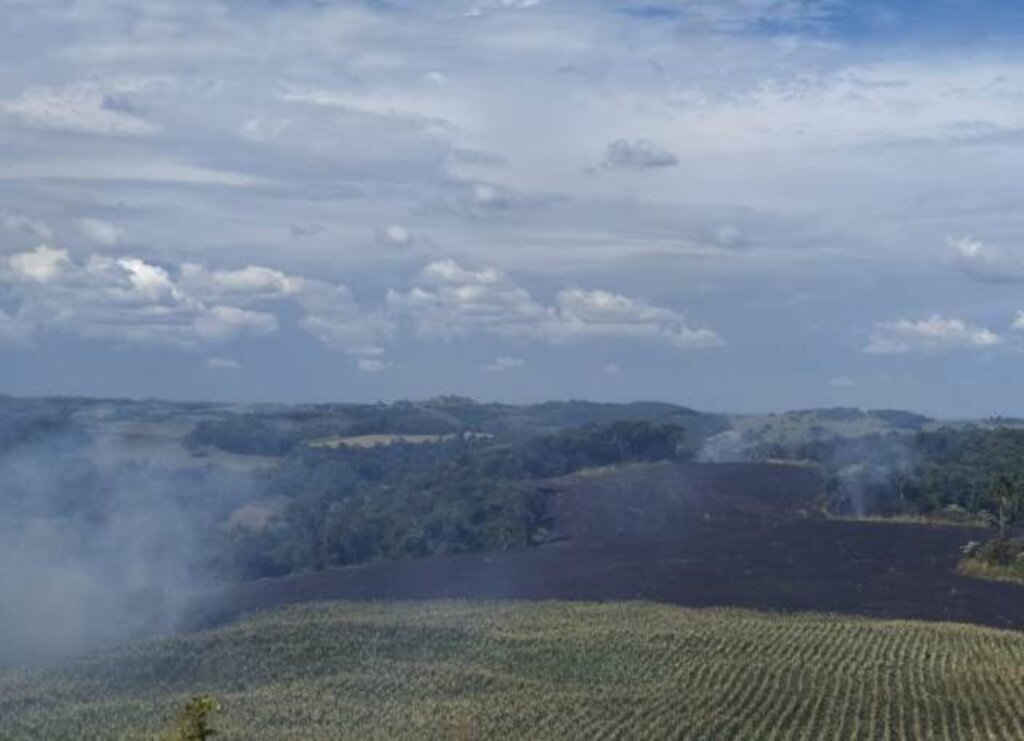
(194, 721)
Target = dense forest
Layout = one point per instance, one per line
(253, 491)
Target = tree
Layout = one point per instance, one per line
(194, 721)
(1003, 494)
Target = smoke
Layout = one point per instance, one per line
(868, 473)
(725, 447)
(92, 554)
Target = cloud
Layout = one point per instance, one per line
(42, 265)
(82, 108)
(984, 263)
(583, 314)
(638, 155)
(503, 364)
(451, 301)
(842, 382)
(932, 335)
(243, 285)
(101, 232)
(21, 223)
(373, 365)
(395, 236)
(124, 299)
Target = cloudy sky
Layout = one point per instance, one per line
(732, 204)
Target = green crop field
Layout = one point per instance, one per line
(540, 670)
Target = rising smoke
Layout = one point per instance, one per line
(91, 554)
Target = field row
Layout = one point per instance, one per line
(552, 670)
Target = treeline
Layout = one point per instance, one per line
(958, 472)
(353, 505)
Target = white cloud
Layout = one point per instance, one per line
(932, 335)
(101, 232)
(638, 155)
(842, 382)
(612, 369)
(503, 364)
(41, 265)
(583, 314)
(245, 285)
(452, 301)
(985, 263)
(124, 299)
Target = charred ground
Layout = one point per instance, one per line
(749, 535)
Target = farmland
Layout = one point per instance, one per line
(541, 670)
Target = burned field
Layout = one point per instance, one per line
(740, 535)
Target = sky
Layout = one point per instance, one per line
(737, 205)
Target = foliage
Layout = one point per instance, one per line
(194, 721)
(351, 505)
(542, 670)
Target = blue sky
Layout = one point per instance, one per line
(732, 204)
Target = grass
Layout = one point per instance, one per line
(982, 569)
(539, 670)
(933, 520)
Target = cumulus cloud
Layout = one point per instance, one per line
(124, 299)
(246, 285)
(932, 335)
(452, 301)
(985, 263)
(42, 265)
(503, 364)
(583, 314)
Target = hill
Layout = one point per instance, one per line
(552, 670)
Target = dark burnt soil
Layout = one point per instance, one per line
(668, 499)
(732, 550)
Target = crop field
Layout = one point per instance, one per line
(541, 670)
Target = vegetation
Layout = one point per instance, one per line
(352, 505)
(551, 670)
(194, 723)
(1001, 559)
